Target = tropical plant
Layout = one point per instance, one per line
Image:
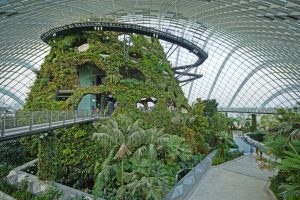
(182, 120)
(118, 138)
(225, 141)
(11, 152)
(71, 156)
(283, 140)
(211, 107)
(291, 164)
(51, 193)
(124, 142)
(148, 180)
(190, 131)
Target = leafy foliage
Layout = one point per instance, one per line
(144, 154)
(125, 145)
(283, 139)
(147, 180)
(228, 155)
(11, 152)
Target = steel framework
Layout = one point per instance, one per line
(252, 46)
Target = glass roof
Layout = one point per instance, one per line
(253, 46)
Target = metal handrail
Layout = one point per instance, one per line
(248, 110)
(17, 122)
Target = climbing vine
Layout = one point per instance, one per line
(69, 152)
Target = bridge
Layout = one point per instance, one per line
(248, 110)
(19, 124)
(134, 28)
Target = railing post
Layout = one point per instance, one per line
(31, 122)
(50, 118)
(74, 116)
(15, 119)
(65, 115)
(3, 127)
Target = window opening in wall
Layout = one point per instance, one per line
(104, 104)
(90, 75)
(146, 104)
(131, 73)
(171, 105)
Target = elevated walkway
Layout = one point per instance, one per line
(138, 29)
(19, 124)
(266, 111)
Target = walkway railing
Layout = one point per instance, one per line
(138, 29)
(249, 110)
(18, 124)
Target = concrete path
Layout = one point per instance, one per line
(240, 179)
(4, 196)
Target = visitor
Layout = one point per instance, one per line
(251, 149)
(97, 111)
(110, 107)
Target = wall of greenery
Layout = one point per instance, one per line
(80, 158)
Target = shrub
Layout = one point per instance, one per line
(51, 193)
(22, 195)
(11, 152)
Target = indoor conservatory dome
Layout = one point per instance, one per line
(253, 47)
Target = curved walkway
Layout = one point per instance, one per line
(235, 180)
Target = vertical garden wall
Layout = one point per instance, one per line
(90, 69)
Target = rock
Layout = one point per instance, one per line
(34, 186)
(165, 73)
(83, 47)
(148, 38)
(5, 196)
(104, 55)
(12, 177)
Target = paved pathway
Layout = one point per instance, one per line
(240, 179)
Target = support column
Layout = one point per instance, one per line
(254, 122)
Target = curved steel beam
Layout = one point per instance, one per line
(260, 67)
(11, 95)
(228, 57)
(18, 61)
(280, 92)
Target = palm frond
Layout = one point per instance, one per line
(123, 151)
(291, 161)
(134, 127)
(109, 158)
(290, 192)
(105, 139)
(295, 135)
(137, 138)
(118, 135)
(141, 151)
(152, 151)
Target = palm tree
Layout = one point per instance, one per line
(124, 141)
(148, 180)
(183, 120)
(283, 140)
(118, 136)
(225, 141)
(291, 164)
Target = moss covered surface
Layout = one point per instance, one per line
(69, 155)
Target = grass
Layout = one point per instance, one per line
(229, 155)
